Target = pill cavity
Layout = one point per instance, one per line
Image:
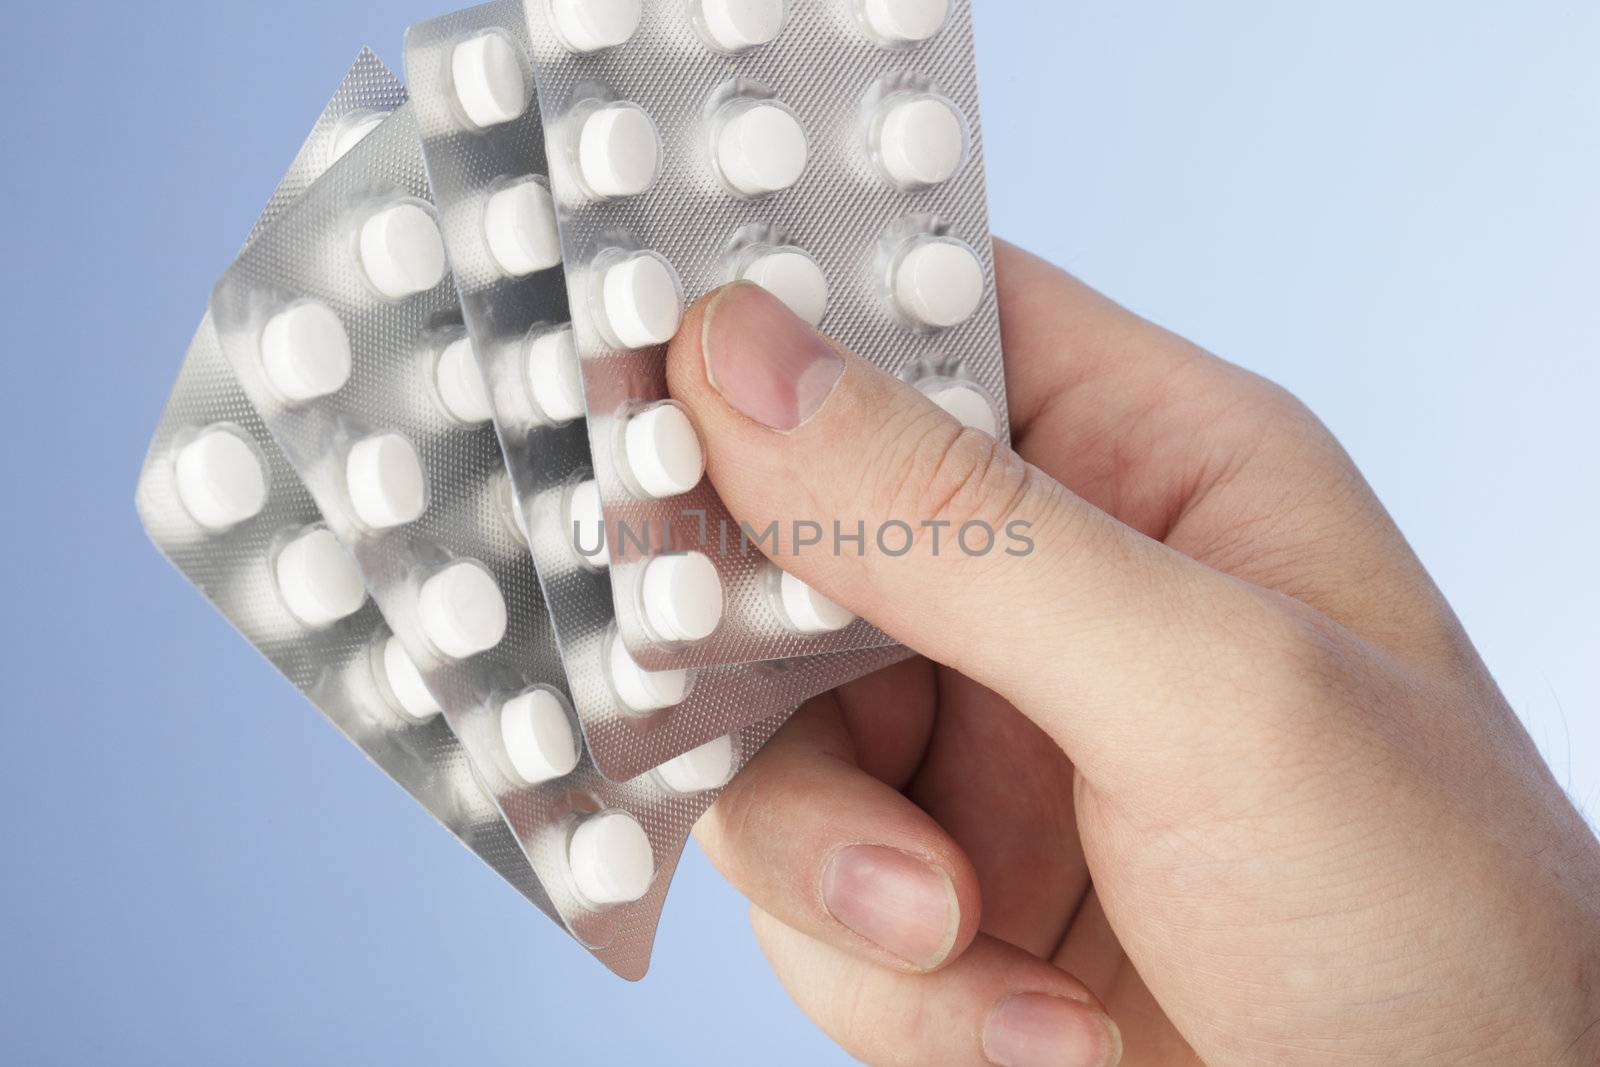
(683, 597)
(761, 149)
(318, 579)
(808, 611)
(220, 480)
(921, 141)
(611, 859)
(967, 404)
(385, 480)
(402, 251)
(642, 300)
(663, 451)
(586, 526)
(462, 610)
(411, 693)
(700, 770)
(904, 21)
(590, 25)
(739, 24)
(938, 283)
(538, 737)
(794, 278)
(643, 691)
(353, 130)
(619, 151)
(489, 82)
(305, 352)
(519, 226)
(554, 376)
(463, 393)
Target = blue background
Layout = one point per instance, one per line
(1392, 208)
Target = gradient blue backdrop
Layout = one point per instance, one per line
(1392, 208)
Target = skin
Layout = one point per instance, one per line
(1216, 759)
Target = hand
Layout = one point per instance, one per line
(1214, 760)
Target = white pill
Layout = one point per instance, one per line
(643, 304)
(519, 226)
(384, 477)
(538, 737)
(761, 149)
(663, 451)
(683, 597)
(611, 859)
(905, 21)
(555, 377)
(402, 251)
(807, 610)
(462, 390)
(586, 525)
(590, 25)
(319, 580)
(618, 151)
(794, 278)
(305, 352)
(220, 480)
(700, 770)
(921, 142)
(405, 682)
(642, 691)
(489, 81)
(462, 610)
(967, 405)
(740, 24)
(939, 283)
(353, 130)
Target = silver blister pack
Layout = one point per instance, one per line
(335, 322)
(486, 164)
(828, 150)
(247, 542)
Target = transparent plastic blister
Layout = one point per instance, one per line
(472, 95)
(255, 544)
(827, 150)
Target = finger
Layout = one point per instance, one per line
(995, 1005)
(808, 836)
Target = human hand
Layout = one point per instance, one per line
(1215, 760)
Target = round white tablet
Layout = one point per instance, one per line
(353, 130)
(402, 251)
(611, 859)
(807, 610)
(761, 149)
(384, 477)
(462, 391)
(643, 303)
(700, 770)
(538, 737)
(905, 21)
(921, 141)
(967, 405)
(462, 610)
(740, 24)
(663, 451)
(489, 81)
(683, 598)
(519, 225)
(305, 352)
(618, 151)
(555, 378)
(590, 25)
(794, 278)
(220, 480)
(939, 283)
(586, 525)
(643, 691)
(318, 579)
(405, 682)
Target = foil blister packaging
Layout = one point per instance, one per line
(490, 184)
(335, 322)
(828, 150)
(242, 547)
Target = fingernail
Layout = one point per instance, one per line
(1039, 1030)
(764, 360)
(896, 901)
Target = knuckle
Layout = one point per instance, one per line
(934, 473)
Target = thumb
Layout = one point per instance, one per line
(966, 553)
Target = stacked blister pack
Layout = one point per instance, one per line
(421, 451)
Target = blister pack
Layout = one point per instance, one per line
(827, 150)
(223, 504)
(485, 152)
(335, 323)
